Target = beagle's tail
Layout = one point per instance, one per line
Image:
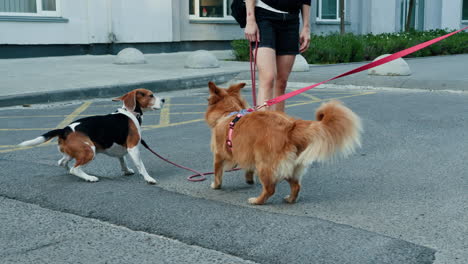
(44, 138)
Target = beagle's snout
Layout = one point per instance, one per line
(163, 100)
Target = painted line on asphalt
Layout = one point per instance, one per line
(329, 99)
(165, 117)
(307, 95)
(25, 129)
(172, 124)
(64, 122)
(73, 115)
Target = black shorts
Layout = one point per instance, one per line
(278, 31)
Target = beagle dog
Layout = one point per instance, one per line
(116, 135)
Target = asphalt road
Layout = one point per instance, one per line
(399, 199)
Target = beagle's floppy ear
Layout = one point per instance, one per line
(129, 100)
(235, 88)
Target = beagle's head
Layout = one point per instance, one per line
(142, 99)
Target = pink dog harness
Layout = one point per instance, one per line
(239, 114)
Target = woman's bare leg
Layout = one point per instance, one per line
(284, 64)
(266, 63)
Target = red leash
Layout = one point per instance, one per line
(294, 93)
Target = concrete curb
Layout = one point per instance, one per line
(116, 90)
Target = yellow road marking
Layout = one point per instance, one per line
(65, 122)
(172, 124)
(329, 99)
(307, 95)
(165, 118)
(74, 114)
(16, 117)
(26, 129)
(163, 123)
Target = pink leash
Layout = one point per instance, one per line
(253, 64)
(363, 68)
(192, 178)
(201, 176)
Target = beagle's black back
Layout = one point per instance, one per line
(103, 130)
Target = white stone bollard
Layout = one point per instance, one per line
(201, 59)
(130, 56)
(300, 64)
(398, 67)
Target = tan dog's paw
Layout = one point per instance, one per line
(254, 201)
(289, 200)
(215, 187)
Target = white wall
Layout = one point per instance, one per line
(433, 11)
(142, 20)
(383, 16)
(193, 31)
(91, 21)
(451, 14)
(73, 32)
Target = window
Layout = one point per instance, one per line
(30, 7)
(417, 16)
(328, 10)
(465, 10)
(210, 9)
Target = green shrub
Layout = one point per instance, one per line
(336, 48)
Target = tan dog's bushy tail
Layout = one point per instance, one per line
(337, 133)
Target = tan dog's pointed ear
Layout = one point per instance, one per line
(213, 88)
(129, 100)
(235, 88)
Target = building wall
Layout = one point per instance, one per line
(383, 16)
(166, 21)
(91, 21)
(73, 32)
(141, 20)
(451, 14)
(192, 30)
(433, 14)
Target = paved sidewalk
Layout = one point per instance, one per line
(31, 234)
(39, 80)
(52, 79)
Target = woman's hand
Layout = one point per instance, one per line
(304, 39)
(251, 32)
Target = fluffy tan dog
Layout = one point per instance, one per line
(274, 145)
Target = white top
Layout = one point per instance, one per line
(259, 3)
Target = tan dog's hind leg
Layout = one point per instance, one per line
(295, 188)
(269, 185)
(249, 177)
(295, 184)
(219, 171)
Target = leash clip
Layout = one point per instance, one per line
(258, 107)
